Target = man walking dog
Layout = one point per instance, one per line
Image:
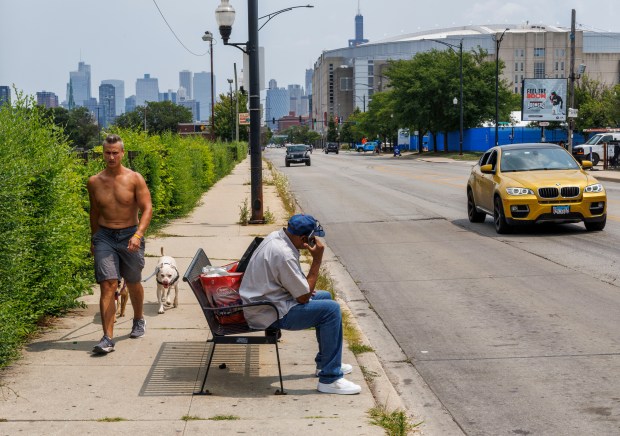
(116, 196)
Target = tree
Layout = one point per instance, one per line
(78, 124)
(301, 135)
(160, 117)
(224, 117)
(332, 132)
(425, 86)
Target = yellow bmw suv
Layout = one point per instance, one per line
(532, 183)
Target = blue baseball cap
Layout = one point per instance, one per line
(303, 225)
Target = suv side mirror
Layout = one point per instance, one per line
(486, 169)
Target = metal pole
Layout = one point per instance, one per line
(461, 120)
(232, 121)
(571, 82)
(236, 106)
(255, 150)
(212, 91)
(498, 42)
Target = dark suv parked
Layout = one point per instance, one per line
(333, 147)
(297, 153)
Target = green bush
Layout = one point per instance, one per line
(45, 243)
(43, 222)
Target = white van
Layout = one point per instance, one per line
(595, 146)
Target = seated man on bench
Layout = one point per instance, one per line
(274, 274)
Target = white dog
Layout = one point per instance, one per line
(167, 277)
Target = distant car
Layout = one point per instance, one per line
(297, 153)
(368, 146)
(532, 183)
(332, 147)
(593, 149)
(310, 148)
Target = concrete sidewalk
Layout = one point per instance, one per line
(146, 385)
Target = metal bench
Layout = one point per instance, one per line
(227, 333)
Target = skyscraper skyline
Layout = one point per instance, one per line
(79, 86)
(185, 81)
(147, 89)
(119, 94)
(202, 93)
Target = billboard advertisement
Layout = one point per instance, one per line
(544, 100)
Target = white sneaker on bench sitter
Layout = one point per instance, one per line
(345, 368)
(341, 386)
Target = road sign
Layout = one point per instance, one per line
(244, 119)
(573, 113)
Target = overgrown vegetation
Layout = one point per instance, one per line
(395, 423)
(45, 241)
(281, 183)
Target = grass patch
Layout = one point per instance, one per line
(269, 217)
(282, 187)
(224, 418)
(111, 419)
(368, 374)
(395, 423)
(191, 418)
(244, 213)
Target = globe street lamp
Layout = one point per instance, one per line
(225, 17)
(208, 36)
(460, 47)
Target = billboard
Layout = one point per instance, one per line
(544, 100)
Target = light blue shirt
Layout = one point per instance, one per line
(273, 274)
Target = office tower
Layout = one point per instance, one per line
(185, 81)
(277, 104)
(119, 94)
(170, 95)
(147, 89)
(309, 73)
(202, 93)
(5, 95)
(295, 93)
(130, 103)
(47, 99)
(193, 106)
(359, 30)
(79, 85)
(107, 104)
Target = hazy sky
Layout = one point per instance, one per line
(42, 40)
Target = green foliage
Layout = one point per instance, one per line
(424, 88)
(225, 118)
(598, 104)
(45, 243)
(161, 117)
(78, 124)
(45, 232)
(332, 131)
(395, 423)
(301, 135)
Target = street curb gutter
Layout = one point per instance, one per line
(393, 380)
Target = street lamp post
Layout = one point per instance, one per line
(232, 120)
(225, 17)
(498, 42)
(460, 47)
(208, 36)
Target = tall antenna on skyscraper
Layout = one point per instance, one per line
(358, 7)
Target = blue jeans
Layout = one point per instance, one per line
(322, 313)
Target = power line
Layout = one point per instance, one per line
(175, 35)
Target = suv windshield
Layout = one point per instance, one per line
(529, 159)
(296, 148)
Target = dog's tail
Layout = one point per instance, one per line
(162, 251)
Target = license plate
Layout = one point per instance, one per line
(561, 210)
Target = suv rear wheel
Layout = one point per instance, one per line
(472, 213)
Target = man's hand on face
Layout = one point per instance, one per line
(317, 249)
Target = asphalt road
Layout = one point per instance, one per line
(515, 334)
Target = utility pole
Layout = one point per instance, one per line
(236, 106)
(571, 81)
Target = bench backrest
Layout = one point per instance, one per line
(192, 277)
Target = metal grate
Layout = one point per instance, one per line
(570, 191)
(548, 192)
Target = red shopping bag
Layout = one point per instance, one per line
(223, 292)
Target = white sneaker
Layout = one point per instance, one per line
(341, 386)
(345, 368)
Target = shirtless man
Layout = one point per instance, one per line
(116, 195)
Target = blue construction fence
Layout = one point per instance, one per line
(483, 138)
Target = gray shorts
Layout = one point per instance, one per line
(112, 258)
